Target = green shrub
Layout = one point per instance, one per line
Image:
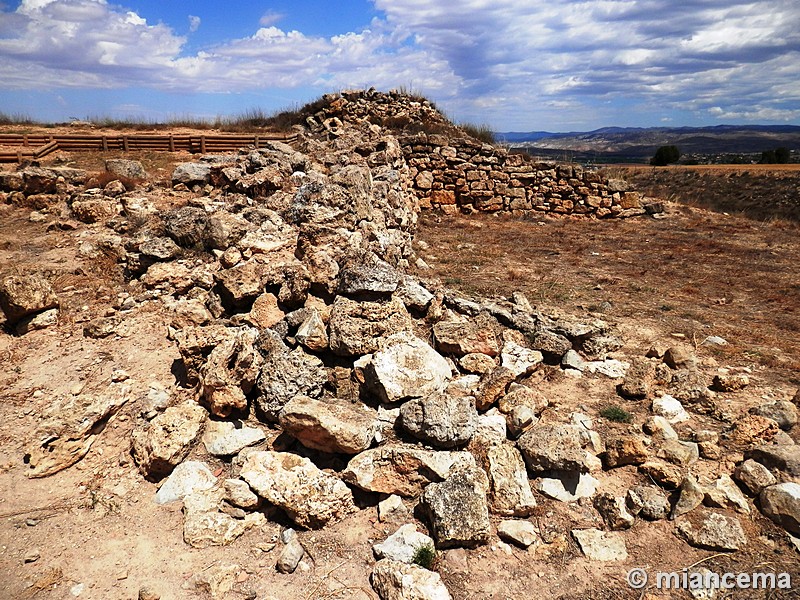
(424, 556)
(616, 414)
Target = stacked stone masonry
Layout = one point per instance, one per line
(462, 173)
(454, 172)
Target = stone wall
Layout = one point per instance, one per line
(454, 172)
(464, 174)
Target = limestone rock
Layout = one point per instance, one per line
(724, 493)
(611, 368)
(442, 419)
(510, 490)
(647, 501)
(394, 580)
(464, 337)
(312, 333)
(457, 509)
(783, 412)
(670, 409)
(567, 486)
(476, 363)
(187, 478)
(402, 544)
(781, 503)
(160, 248)
(291, 553)
(556, 447)
(601, 545)
(42, 320)
(311, 497)
(621, 451)
(24, 295)
(403, 470)
(226, 438)
(164, 442)
(712, 531)
(392, 509)
(187, 226)
(356, 328)
(490, 429)
(663, 473)
(730, 382)
(659, 428)
(406, 367)
(286, 374)
(613, 510)
(691, 496)
(238, 493)
(204, 525)
(573, 360)
(69, 427)
(132, 169)
(518, 359)
(638, 379)
(781, 460)
(493, 387)
(413, 295)
(521, 533)
(368, 275)
(754, 476)
(329, 425)
(192, 173)
(230, 372)
(679, 453)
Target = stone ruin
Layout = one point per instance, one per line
(286, 280)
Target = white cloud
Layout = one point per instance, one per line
(270, 18)
(508, 62)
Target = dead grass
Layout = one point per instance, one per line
(696, 273)
(763, 192)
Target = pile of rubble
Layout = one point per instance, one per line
(286, 281)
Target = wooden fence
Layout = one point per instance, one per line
(18, 147)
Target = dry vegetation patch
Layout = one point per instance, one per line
(695, 273)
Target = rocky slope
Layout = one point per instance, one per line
(332, 381)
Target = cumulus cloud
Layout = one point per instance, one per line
(509, 62)
(194, 23)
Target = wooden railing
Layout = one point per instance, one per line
(18, 147)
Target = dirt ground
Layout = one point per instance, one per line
(94, 532)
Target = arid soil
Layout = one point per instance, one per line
(762, 192)
(93, 531)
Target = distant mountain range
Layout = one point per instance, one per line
(638, 143)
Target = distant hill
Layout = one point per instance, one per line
(640, 143)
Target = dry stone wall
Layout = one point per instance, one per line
(463, 173)
(454, 172)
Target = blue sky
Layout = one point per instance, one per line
(516, 65)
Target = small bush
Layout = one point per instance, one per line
(616, 414)
(424, 556)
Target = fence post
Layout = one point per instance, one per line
(125, 143)
(171, 143)
(202, 144)
(105, 144)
